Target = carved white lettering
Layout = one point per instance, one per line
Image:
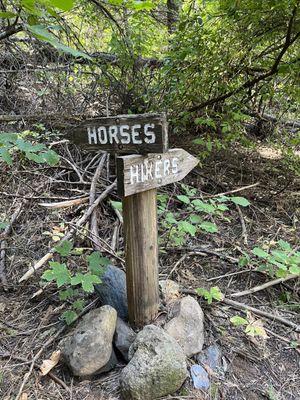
(92, 135)
(175, 165)
(148, 170)
(102, 135)
(136, 134)
(113, 134)
(150, 135)
(158, 164)
(125, 136)
(166, 167)
(134, 174)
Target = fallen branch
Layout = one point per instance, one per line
(269, 315)
(264, 286)
(243, 224)
(230, 191)
(70, 234)
(66, 203)
(242, 306)
(3, 242)
(93, 222)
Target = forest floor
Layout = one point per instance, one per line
(30, 325)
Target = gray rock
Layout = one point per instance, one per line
(186, 326)
(89, 348)
(211, 357)
(124, 337)
(200, 377)
(112, 290)
(157, 366)
(169, 290)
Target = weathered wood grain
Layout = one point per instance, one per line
(141, 254)
(124, 134)
(140, 173)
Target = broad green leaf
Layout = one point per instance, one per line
(28, 147)
(4, 154)
(7, 14)
(64, 5)
(195, 219)
(187, 227)
(78, 305)
(216, 293)
(41, 32)
(58, 273)
(96, 263)
(284, 245)
(66, 294)
(209, 227)
(184, 199)
(3, 225)
(294, 269)
(64, 249)
(170, 218)
(240, 201)
(69, 316)
(51, 157)
(205, 207)
(238, 321)
(117, 205)
(7, 137)
(38, 158)
(257, 251)
(87, 281)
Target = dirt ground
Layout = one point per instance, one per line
(257, 368)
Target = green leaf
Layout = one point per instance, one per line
(78, 305)
(204, 207)
(87, 281)
(116, 205)
(216, 293)
(184, 199)
(243, 261)
(238, 321)
(7, 14)
(64, 249)
(51, 157)
(64, 5)
(28, 147)
(97, 262)
(3, 225)
(209, 227)
(187, 227)
(41, 32)
(195, 219)
(58, 273)
(69, 317)
(170, 218)
(240, 201)
(257, 251)
(284, 245)
(294, 269)
(4, 154)
(66, 294)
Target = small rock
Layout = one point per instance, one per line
(211, 357)
(124, 337)
(186, 326)
(112, 290)
(89, 348)
(157, 366)
(169, 290)
(200, 377)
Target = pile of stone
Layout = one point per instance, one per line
(155, 357)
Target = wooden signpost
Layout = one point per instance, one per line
(126, 134)
(149, 166)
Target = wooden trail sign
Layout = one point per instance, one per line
(125, 134)
(140, 173)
